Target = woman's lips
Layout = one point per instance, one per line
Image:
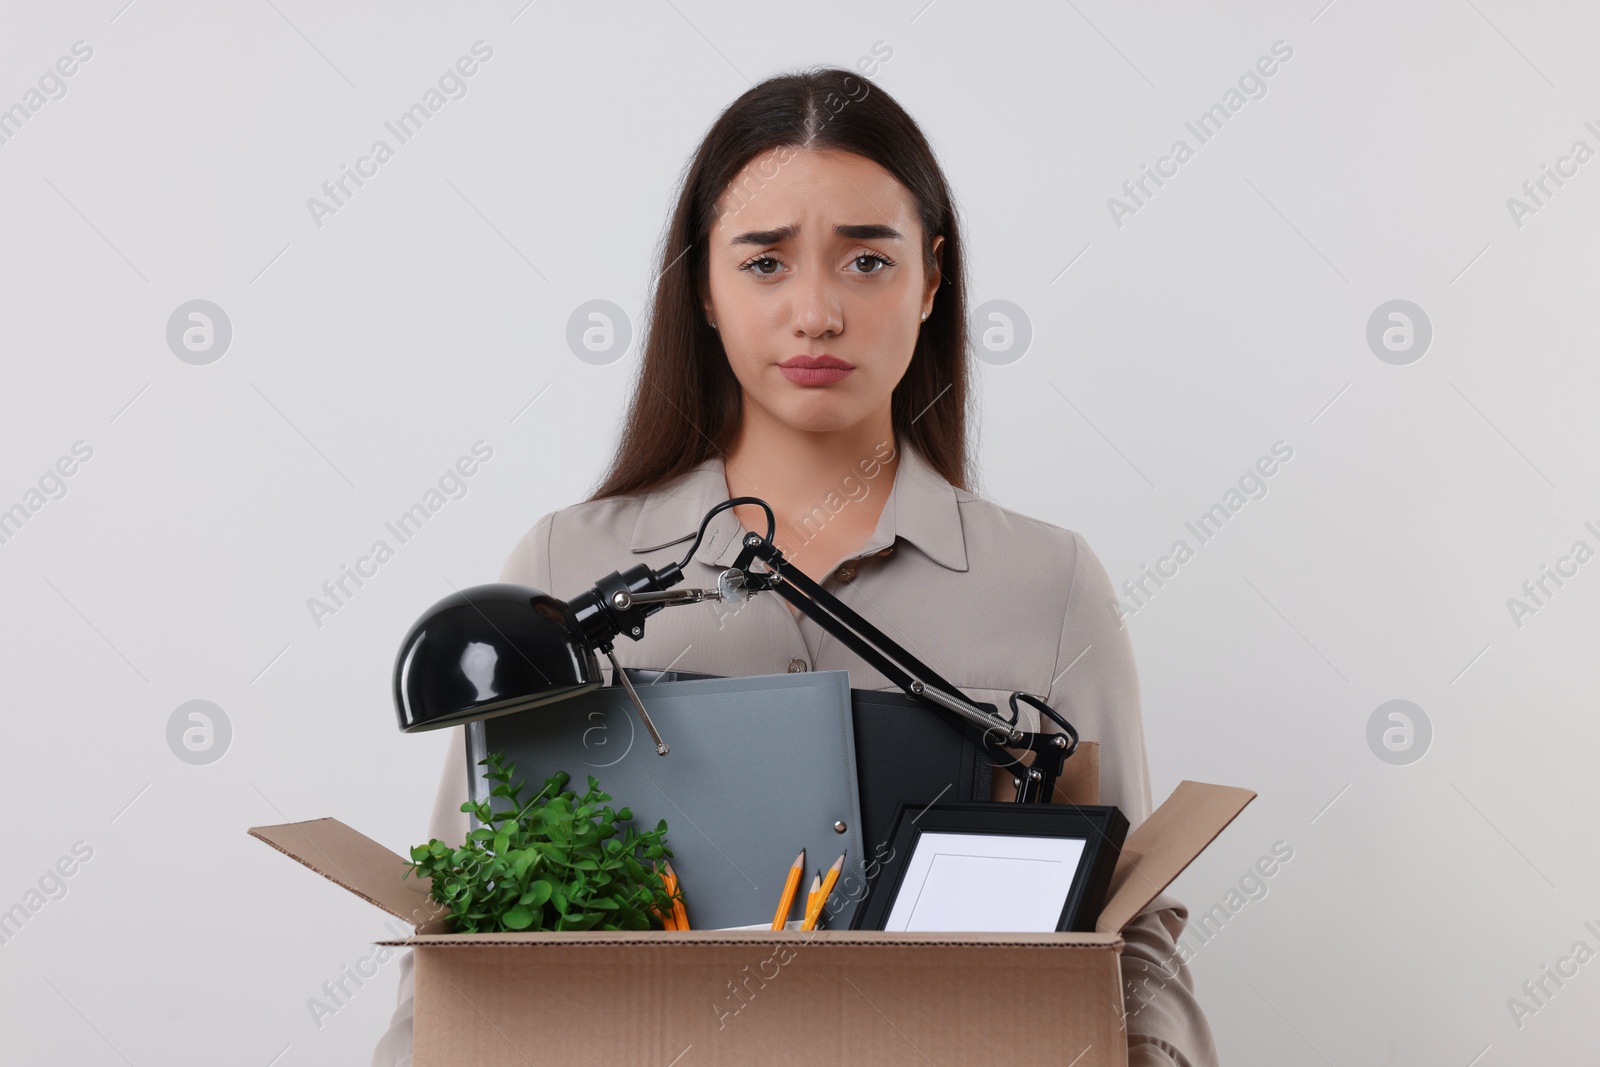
(815, 375)
(806, 369)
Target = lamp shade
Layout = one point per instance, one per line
(490, 650)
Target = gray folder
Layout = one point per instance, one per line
(759, 767)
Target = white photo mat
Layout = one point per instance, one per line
(975, 881)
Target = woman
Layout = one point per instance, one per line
(807, 346)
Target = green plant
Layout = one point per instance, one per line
(558, 862)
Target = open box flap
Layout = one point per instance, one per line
(363, 866)
(1160, 848)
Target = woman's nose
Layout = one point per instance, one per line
(816, 310)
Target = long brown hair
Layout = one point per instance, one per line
(686, 402)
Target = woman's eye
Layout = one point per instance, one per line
(872, 260)
(753, 266)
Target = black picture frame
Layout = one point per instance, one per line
(1002, 830)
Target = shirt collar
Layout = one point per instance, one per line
(921, 509)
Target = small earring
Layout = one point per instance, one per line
(713, 326)
(924, 316)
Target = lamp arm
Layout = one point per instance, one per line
(863, 639)
(978, 721)
(619, 603)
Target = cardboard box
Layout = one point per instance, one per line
(739, 997)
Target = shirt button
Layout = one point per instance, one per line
(796, 666)
(846, 573)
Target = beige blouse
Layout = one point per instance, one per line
(994, 601)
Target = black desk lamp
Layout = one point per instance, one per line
(499, 648)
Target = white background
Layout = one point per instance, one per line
(1227, 314)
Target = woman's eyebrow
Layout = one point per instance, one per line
(870, 231)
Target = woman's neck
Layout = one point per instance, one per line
(801, 473)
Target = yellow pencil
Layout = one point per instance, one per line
(833, 876)
(815, 911)
(811, 897)
(680, 914)
(790, 886)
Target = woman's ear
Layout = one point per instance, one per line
(934, 277)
